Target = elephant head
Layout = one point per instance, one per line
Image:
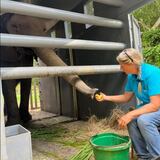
(27, 25)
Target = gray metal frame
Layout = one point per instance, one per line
(28, 72)
(50, 13)
(32, 41)
(35, 41)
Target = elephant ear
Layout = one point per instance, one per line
(49, 24)
(26, 25)
(4, 18)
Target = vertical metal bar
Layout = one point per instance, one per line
(3, 149)
(38, 95)
(57, 85)
(31, 99)
(68, 34)
(35, 93)
(73, 89)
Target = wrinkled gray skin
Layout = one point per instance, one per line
(21, 56)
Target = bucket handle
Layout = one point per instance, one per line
(115, 146)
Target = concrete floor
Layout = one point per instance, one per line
(42, 150)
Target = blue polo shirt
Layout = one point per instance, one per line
(150, 82)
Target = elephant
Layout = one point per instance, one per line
(23, 56)
(15, 57)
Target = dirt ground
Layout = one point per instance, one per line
(63, 140)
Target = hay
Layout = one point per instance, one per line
(113, 119)
(96, 126)
(108, 124)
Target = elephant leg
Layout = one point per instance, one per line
(8, 88)
(24, 103)
(5, 108)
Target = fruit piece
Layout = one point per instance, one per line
(99, 97)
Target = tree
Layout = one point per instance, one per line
(148, 19)
(148, 15)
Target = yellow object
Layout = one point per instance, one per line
(139, 87)
(99, 97)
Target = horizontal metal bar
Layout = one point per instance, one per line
(51, 13)
(36, 41)
(116, 3)
(28, 72)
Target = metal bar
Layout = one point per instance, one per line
(35, 95)
(31, 98)
(68, 33)
(3, 149)
(51, 13)
(116, 3)
(35, 41)
(28, 72)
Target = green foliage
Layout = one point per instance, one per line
(84, 154)
(152, 55)
(148, 15)
(48, 134)
(57, 134)
(151, 38)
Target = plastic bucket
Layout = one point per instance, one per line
(110, 146)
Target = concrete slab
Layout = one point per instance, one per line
(38, 114)
(51, 120)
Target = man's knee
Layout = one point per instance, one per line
(143, 121)
(132, 126)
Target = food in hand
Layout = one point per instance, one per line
(99, 97)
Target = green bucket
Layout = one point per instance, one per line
(110, 146)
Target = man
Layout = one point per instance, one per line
(143, 122)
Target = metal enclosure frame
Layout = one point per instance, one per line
(119, 12)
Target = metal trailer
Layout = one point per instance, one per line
(113, 27)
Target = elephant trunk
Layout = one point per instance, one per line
(49, 57)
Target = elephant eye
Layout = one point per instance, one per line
(14, 26)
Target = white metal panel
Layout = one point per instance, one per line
(3, 152)
(135, 33)
(18, 140)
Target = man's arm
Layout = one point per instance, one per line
(153, 106)
(118, 98)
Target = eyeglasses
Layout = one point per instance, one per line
(125, 52)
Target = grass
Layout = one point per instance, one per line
(48, 134)
(58, 134)
(49, 154)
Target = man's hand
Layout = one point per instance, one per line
(124, 120)
(100, 97)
